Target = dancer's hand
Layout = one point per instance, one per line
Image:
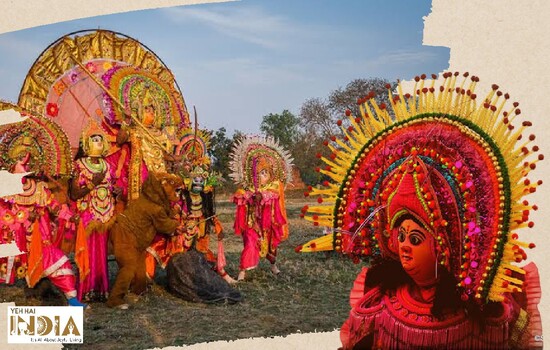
(117, 191)
(256, 197)
(217, 226)
(98, 178)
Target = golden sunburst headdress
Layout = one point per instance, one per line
(465, 161)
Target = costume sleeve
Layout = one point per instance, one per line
(344, 334)
(526, 325)
(272, 217)
(358, 289)
(282, 206)
(64, 227)
(240, 214)
(533, 293)
(53, 205)
(163, 223)
(357, 332)
(79, 174)
(278, 214)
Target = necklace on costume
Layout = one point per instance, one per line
(94, 167)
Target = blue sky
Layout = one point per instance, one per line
(239, 61)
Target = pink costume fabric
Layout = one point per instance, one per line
(13, 230)
(382, 316)
(16, 214)
(95, 209)
(254, 219)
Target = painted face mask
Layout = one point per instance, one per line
(198, 179)
(264, 177)
(148, 116)
(197, 185)
(416, 253)
(94, 140)
(96, 146)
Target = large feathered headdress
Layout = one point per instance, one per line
(457, 161)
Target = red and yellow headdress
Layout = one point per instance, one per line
(193, 146)
(42, 139)
(449, 158)
(137, 88)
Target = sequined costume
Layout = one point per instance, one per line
(32, 217)
(95, 204)
(430, 192)
(261, 167)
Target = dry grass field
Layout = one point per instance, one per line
(310, 294)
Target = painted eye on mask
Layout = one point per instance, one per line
(414, 238)
(401, 237)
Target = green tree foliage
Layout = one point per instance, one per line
(282, 127)
(220, 149)
(305, 135)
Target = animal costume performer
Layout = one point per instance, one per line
(262, 168)
(196, 209)
(92, 190)
(134, 230)
(430, 191)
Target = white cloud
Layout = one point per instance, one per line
(404, 56)
(251, 24)
(246, 71)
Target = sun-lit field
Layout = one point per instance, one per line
(310, 294)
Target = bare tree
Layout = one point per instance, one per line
(342, 99)
(318, 118)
